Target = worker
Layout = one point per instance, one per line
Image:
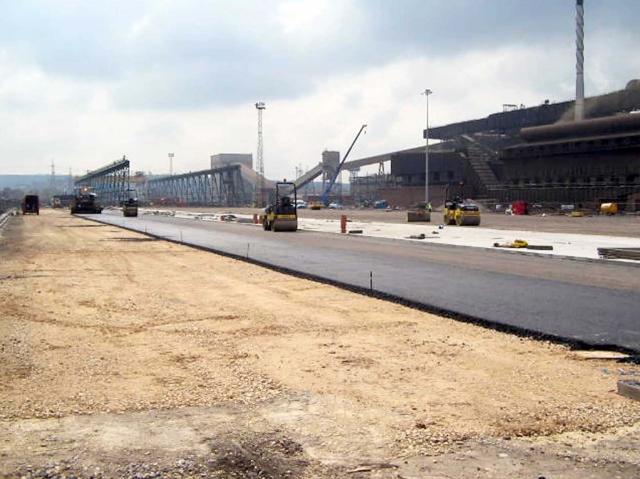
(429, 208)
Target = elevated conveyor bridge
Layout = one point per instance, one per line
(221, 186)
(110, 182)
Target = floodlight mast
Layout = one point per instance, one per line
(259, 196)
(426, 93)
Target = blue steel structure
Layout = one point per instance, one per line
(110, 182)
(221, 186)
(325, 194)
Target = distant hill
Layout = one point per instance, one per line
(32, 181)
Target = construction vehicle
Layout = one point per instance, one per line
(130, 205)
(419, 212)
(85, 201)
(31, 205)
(459, 213)
(282, 214)
(609, 209)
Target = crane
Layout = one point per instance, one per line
(325, 194)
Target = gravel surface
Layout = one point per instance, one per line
(125, 357)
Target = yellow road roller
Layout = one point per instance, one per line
(609, 209)
(130, 205)
(282, 214)
(462, 214)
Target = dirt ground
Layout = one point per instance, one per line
(122, 356)
(622, 225)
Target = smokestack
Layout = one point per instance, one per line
(579, 110)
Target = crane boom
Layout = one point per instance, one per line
(327, 191)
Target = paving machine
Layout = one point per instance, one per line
(282, 214)
(130, 205)
(85, 201)
(459, 213)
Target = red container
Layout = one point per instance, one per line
(520, 207)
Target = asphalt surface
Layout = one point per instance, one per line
(529, 301)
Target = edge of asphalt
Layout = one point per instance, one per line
(573, 343)
(514, 251)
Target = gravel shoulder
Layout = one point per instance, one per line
(122, 356)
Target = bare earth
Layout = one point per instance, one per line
(122, 356)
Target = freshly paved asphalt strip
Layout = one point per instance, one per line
(596, 316)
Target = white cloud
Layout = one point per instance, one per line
(305, 24)
(173, 84)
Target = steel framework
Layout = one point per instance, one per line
(110, 182)
(222, 186)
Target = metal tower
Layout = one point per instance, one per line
(579, 110)
(259, 200)
(426, 93)
(53, 174)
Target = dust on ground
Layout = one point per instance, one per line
(122, 356)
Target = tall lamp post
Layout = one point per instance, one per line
(426, 93)
(260, 106)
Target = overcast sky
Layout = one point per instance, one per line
(85, 81)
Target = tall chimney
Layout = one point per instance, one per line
(579, 110)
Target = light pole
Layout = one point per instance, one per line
(171, 164)
(426, 93)
(260, 106)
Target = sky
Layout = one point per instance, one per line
(84, 82)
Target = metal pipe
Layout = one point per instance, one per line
(592, 127)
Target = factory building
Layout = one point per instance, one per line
(536, 154)
(404, 184)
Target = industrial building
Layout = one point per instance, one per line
(537, 154)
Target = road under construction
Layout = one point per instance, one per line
(129, 349)
(148, 343)
(239, 352)
(541, 296)
(139, 343)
